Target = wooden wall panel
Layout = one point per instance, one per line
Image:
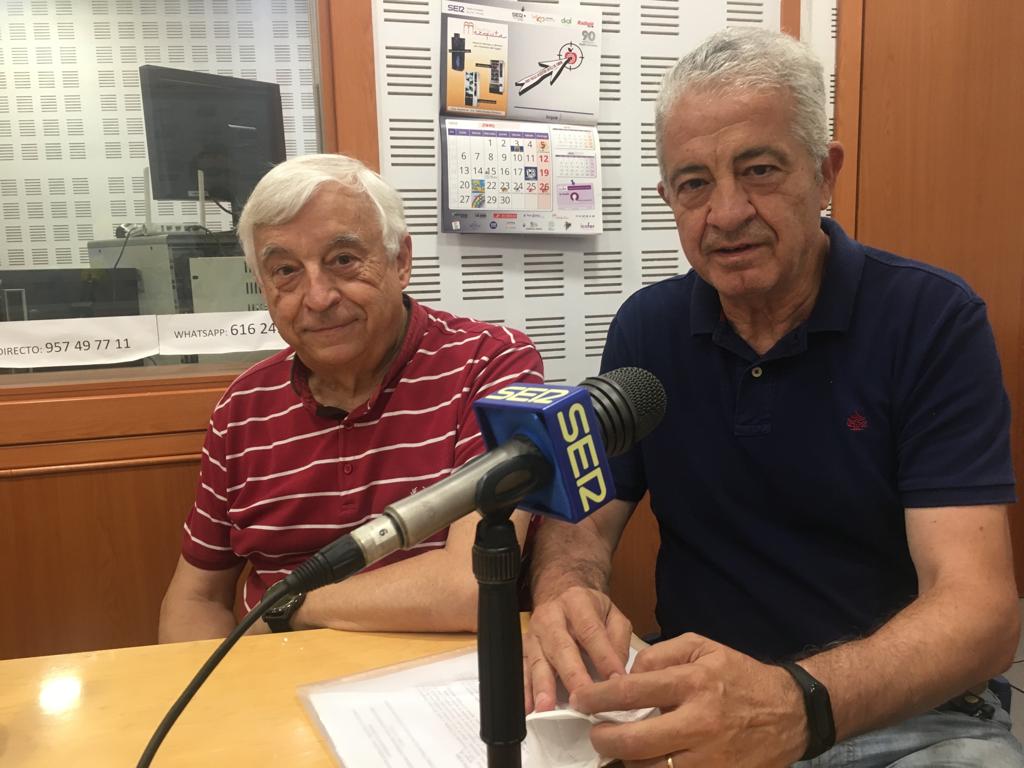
(632, 583)
(941, 118)
(97, 471)
(64, 418)
(56, 411)
(85, 556)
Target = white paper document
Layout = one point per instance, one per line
(433, 725)
(423, 715)
(429, 715)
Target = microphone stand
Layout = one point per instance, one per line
(496, 564)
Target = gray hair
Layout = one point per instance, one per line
(285, 190)
(752, 59)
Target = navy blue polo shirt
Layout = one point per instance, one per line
(779, 481)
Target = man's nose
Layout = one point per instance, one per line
(729, 207)
(322, 290)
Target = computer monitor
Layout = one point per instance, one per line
(228, 127)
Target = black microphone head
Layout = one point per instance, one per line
(629, 403)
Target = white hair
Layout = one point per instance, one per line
(285, 190)
(740, 59)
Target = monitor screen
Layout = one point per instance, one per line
(228, 127)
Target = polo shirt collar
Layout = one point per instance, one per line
(843, 268)
(705, 307)
(834, 305)
(414, 330)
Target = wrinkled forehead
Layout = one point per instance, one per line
(343, 206)
(353, 204)
(729, 122)
(705, 106)
(332, 213)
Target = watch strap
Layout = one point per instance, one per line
(278, 617)
(820, 723)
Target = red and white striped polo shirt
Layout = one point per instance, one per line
(281, 477)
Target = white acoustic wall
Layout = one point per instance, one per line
(563, 291)
(72, 138)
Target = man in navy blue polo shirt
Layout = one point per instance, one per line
(830, 479)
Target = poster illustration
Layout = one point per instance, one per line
(477, 67)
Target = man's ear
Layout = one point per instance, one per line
(663, 193)
(403, 260)
(831, 164)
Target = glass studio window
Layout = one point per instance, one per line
(131, 132)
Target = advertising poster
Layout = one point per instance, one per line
(519, 103)
(476, 82)
(520, 65)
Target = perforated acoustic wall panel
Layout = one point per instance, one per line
(562, 291)
(72, 137)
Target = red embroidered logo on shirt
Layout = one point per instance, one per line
(856, 422)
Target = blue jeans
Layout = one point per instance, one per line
(932, 740)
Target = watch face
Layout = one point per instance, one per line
(282, 605)
(279, 615)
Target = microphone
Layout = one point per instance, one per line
(537, 434)
(544, 456)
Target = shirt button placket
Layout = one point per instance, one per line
(341, 452)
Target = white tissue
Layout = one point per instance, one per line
(561, 738)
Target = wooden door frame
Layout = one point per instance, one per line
(849, 53)
(348, 105)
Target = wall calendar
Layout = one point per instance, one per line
(511, 177)
(519, 142)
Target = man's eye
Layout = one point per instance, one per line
(691, 185)
(760, 170)
(284, 270)
(343, 259)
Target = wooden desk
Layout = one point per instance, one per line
(247, 713)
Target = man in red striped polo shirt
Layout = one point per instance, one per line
(370, 403)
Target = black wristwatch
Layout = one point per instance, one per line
(279, 615)
(820, 724)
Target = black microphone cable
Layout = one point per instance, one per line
(270, 597)
(346, 559)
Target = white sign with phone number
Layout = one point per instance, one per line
(78, 341)
(214, 332)
(111, 340)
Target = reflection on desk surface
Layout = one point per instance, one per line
(100, 708)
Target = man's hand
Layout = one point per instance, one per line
(719, 708)
(579, 618)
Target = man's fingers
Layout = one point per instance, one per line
(538, 677)
(620, 631)
(684, 649)
(553, 651)
(590, 628)
(581, 621)
(649, 739)
(638, 690)
(527, 682)
(563, 654)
